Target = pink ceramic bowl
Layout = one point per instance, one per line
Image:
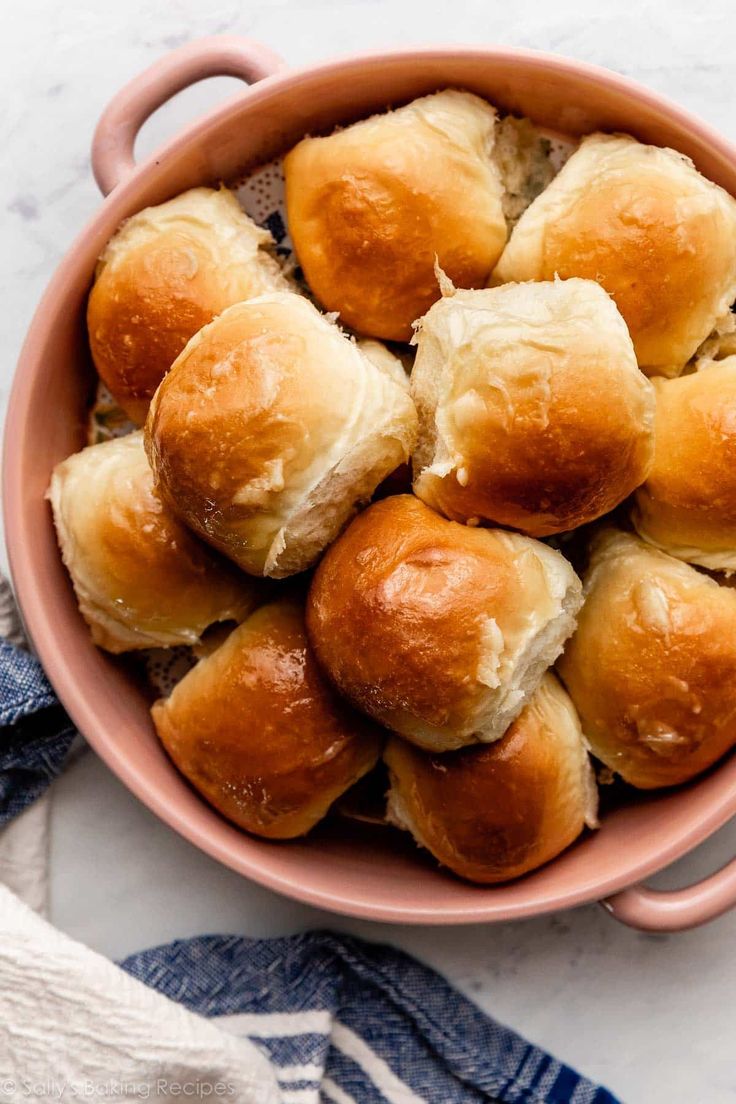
(349, 872)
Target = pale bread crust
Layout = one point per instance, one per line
(687, 507)
(651, 667)
(142, 579)
(532, 410)
(269, 431)
(644, 223)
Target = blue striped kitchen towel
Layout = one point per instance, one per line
(351, 1022)
(342, 1021)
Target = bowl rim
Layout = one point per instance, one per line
(29, 591)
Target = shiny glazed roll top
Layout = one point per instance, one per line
(256, 728)
(374, 206)
(269, 431)
(496, 812)
(439, 631)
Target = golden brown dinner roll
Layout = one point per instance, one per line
(439, 631)
(687, 506)
(165, 273)
(269, 430)
(141, 578)
(260, 733)
(652, 665)
(532, 410)
(493, 813)
(647, 226)
(373, 206)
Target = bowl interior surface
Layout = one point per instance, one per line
(362, 872)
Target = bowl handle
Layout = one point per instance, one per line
(216, 56)
(675, 910)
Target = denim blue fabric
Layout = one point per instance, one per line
(435, 1042)
(35, 732)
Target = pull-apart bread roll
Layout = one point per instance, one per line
(373, 206)
(141, 578)
(385, 360)
(532, 410)
(687, 506)
(259, 732)
(493, 813)
(269, 430)
(167, 271)
(439, 631)
(652, 665)
(646, 225)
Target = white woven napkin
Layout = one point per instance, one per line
(72, 1020)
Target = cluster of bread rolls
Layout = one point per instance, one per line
(572, 358)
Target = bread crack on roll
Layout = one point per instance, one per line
(141, 578)
(651, 667)
(439, 631)
(532, 410)
(256, 728)
(269, 431)
(687, 507)
(646, 225)
(387, 361)
(166, 272)
(496, 812)
(371, 206)
(719, 344)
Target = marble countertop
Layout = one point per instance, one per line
(654, 1018)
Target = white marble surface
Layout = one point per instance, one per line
(652, 1017)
